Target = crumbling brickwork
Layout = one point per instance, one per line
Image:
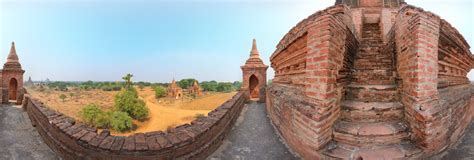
(376, 79)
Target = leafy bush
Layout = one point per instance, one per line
(199, 115)
(93, 115)
(90, 113)
(127, 101)
(160, 91)
(62, 97)
(120, 121)
(103, 120)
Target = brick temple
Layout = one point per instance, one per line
(174, 91)
(12, 79)
(371, 79)
(254, 74)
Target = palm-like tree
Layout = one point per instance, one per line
(128, 81)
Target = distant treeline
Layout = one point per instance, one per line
(212, 86)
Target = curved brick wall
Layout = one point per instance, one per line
(72, 140)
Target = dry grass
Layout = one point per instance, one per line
(164, 113)
(72, 105)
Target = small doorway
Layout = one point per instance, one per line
(12, 89)
(253, 87)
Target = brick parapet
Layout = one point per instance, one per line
(74, 140)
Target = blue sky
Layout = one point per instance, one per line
(161, 40)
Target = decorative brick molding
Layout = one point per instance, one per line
(74, 140)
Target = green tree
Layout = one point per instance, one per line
(160, 91)
(127, 101)
(120, 121)
(186, 83)
(62, 97)
(128, 81)
(225, 87)
(209, 86)
(71, 94)
(90, 113)
(237, 85)
(141, 87)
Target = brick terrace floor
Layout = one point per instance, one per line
(252, 137)
(18, 138)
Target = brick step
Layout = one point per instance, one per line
(374, 59)
(372, 93)
(368, 50)
(370, 46)
(372, 52)
(403, 150)
(353, 111)
(372, 66)
(371, 33)
(373, 56)
(375, 62)
(372, 40)
(373, 77)
(362, 134)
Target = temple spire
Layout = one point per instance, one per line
(12, 57)
(254, 53)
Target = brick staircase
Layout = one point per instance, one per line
(371, 124)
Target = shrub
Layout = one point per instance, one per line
(120, 121)
(160, 91)
(103, 120)
(90, 113)
(127, 101)
(62, 97)
(199, 115)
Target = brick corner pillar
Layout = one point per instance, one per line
(417, 38)
(254, 74)
(328, 47)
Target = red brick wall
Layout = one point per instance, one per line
(303, 102)
(71, 140)
(436, 94)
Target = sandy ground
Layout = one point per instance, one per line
(164, 112)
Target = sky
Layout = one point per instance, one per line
(156, 41)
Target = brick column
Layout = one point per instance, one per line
(417, 34)
(329, 44)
